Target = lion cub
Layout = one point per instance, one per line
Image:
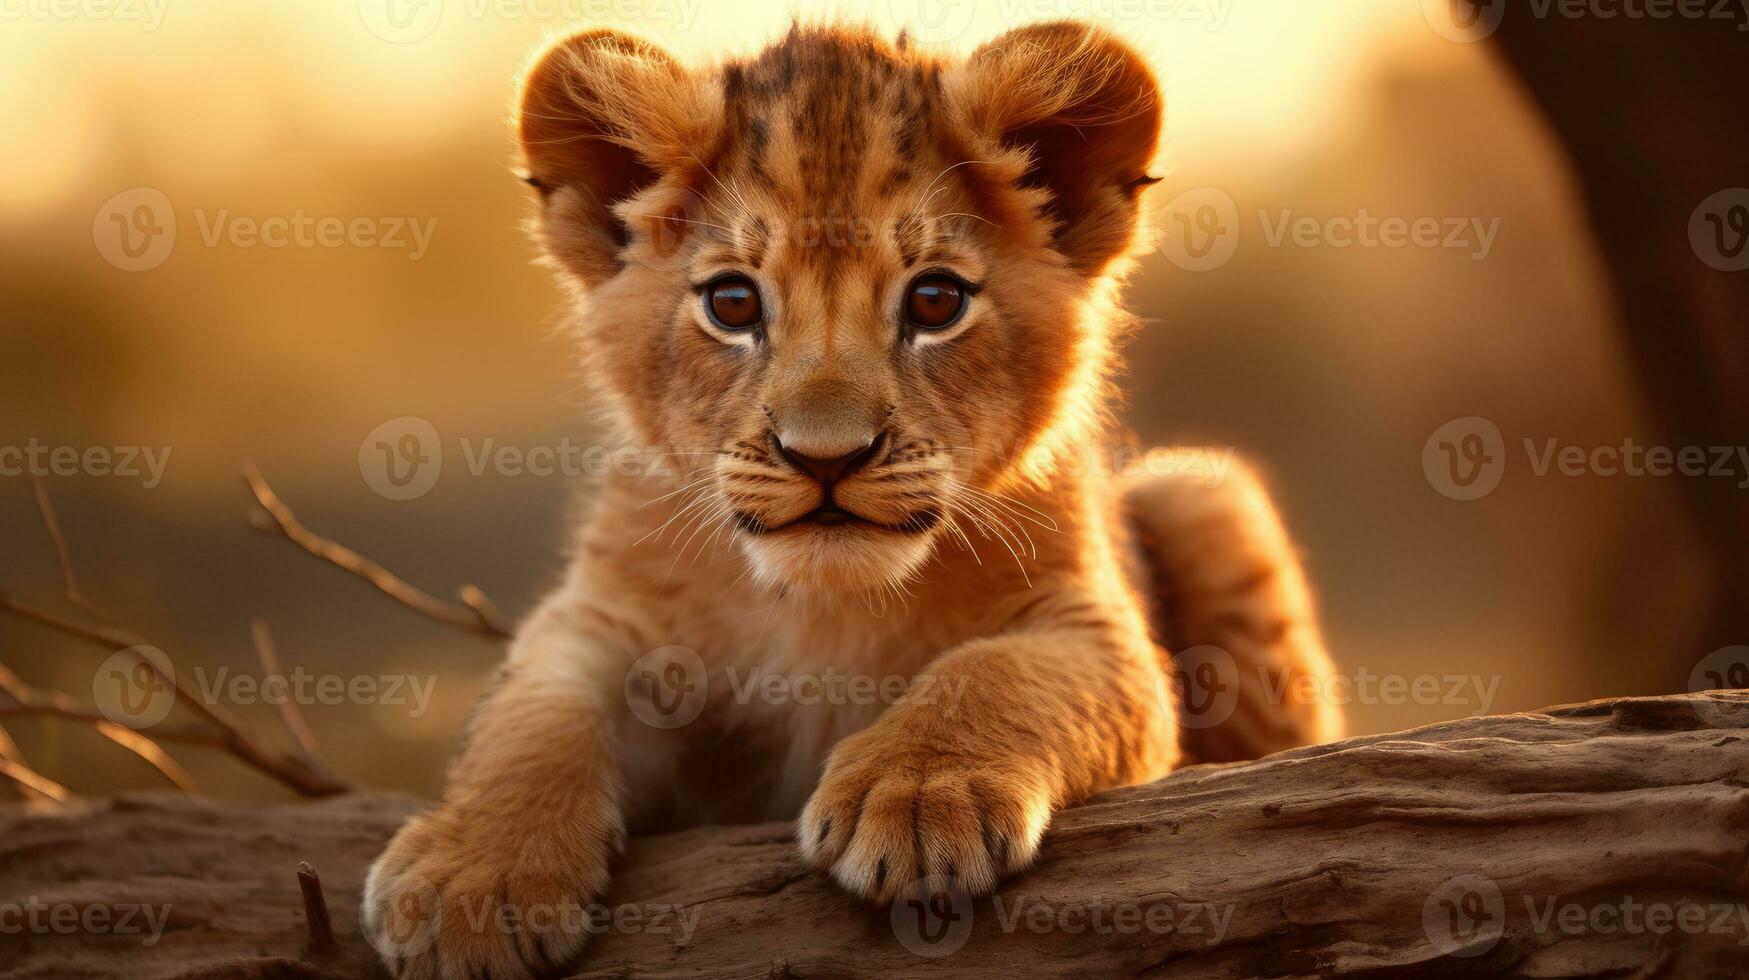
(857, 306)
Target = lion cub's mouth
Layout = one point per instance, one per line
(833, 516)
(828, 516)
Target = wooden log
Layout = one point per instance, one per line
(1603, 839)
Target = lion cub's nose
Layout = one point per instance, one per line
(827, 460)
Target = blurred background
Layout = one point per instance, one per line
(174, 328)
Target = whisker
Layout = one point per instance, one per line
(690, 485)
(708, 515)
(700, 497)
(992, 530)
(687, 221)
(1015, 507)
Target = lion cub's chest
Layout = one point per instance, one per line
(781, 688)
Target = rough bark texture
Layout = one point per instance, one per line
(1377, 856)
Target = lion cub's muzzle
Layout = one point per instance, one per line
(821, 484)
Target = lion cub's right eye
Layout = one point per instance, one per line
(733, 303)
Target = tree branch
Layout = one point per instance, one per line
(289, 712)
(28, 700)
(1453, 850)
(63, 554)
(475, 614)
(34, 781)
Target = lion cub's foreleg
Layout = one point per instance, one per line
(962, 780)
(497, 879)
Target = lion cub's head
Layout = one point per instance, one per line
(865, 285)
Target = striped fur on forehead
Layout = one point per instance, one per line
(832, 123)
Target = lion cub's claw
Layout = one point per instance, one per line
(435, 910)
(880, 822)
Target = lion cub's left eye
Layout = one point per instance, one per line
(935, 301)
(733, 303)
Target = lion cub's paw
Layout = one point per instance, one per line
(884, 817)
(437, 908)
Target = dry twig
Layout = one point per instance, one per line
(27, 700)
(302, 773)
(63, 555)
(34, 781)
(315, 908)
(305, 775)
(288, 707)
(475, 614)
(28, 779)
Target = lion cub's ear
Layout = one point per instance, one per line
(603, 116)
(1087, 109)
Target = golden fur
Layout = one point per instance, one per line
(1030, 592)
